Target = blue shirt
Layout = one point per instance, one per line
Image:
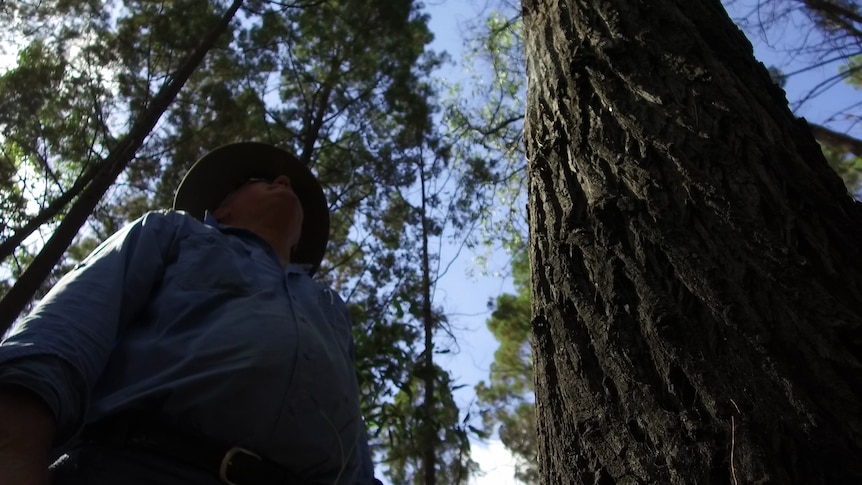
(203, 325)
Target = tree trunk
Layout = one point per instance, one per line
(697, 280)
(840, 141)
(118, 159)
(429, 422)
(8, 245)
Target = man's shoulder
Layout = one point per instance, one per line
(178, 221)
(167, 215)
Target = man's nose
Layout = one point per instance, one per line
(283, 180)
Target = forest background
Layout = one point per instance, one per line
(422, 155)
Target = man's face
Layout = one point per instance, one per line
(261, 204)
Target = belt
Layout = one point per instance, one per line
(234, 465)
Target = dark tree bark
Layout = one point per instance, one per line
(118, 159)
(697, 279)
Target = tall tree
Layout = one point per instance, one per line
(696, 279)
(815, 35)
(430, 443)
(491, 120)
(429, 427)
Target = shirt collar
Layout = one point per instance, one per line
(210, 220)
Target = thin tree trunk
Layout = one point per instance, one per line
(429, 424)
(7, 247)
(315, 119)
(696, 279)
(840, 13)
(118, 159)
(841, 141)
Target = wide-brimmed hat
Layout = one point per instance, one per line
(222, 170)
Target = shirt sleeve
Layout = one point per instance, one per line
(60, 349)
(38, 374)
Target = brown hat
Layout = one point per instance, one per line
(219, 172)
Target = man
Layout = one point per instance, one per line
(193, 347)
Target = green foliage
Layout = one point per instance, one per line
(406, 443)
(847, 166)
(851, 73)
(52, 115)
(421, 421)
(13, 202)
(49, 123)
(485, 124)
(507, 398)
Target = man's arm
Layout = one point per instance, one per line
(58, 351)
(26, 435)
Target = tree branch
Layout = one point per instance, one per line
(841, 141)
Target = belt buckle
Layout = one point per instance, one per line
(224, 469)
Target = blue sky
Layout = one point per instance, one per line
(464, 290)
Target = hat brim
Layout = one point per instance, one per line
(218, 173)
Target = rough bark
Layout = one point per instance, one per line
(697, 282)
